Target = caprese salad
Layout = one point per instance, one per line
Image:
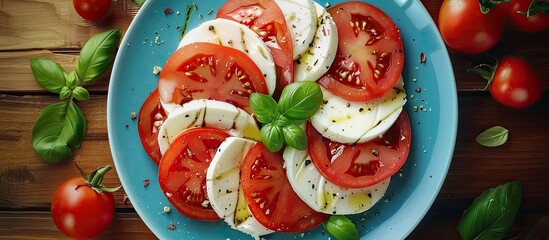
(200, 129)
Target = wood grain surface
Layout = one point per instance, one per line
(51, 29)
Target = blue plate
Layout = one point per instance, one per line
(154, 35)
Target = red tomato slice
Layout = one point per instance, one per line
(266, 19)
(369, 56)
(365, 164)
(182, 171)
(270, 196)
(210, 71)
(151, 116)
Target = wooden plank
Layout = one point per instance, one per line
(38, 225)
(28, 182)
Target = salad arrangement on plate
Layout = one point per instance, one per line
(278, 114)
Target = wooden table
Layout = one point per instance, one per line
(51, 29)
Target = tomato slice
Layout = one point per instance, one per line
(365, 164)
(270, 196)
(369, 56)
(210, 71)
(151, 116)
(266, 19)
(182, 171)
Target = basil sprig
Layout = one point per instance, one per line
(487, 5)
(492, 213)
(341, 228)
(62, 126)
(298, 102)
(493, 137)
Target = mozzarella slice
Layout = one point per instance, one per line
(320, 54)
(347, 121)
(233, 34)
(301, 19)
(207, 113)
(223, 187)
(323, 195)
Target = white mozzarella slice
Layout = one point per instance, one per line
(347, 121)
(233, 34)
(318, 57)
(324, 196)
(207, 113)
(224, 190)
(301, 19)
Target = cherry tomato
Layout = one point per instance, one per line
(266, 19)
(365, 164)
(514, 10)
(466, 29)
(182, 171)
(515, 83)
(369, 58)
(80, 211)
(210, 71)
(270, 196)
(151, 116)
(92, 9)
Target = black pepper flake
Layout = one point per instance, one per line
(211, 28)
(187, 115)
(348, 104)
(313, 186)
(325, 102)
(375, 152)
(172, 227)
(127, 126)
(418, 90)
(360, 109)
(146, 182)
(168, 11)
(298, 61)
(307, 162)
(369, 195)
(422, 58)
(334, 212)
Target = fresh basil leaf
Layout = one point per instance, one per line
(487, 5)
(341, 228)
(139, 2)
(59, 127)
(271, 136)
(48, 73)
(97, 55)
(264, 107)
(493, 137)
(492, 213)
(81, 94)
(536, 7)
(300, 100)
(65, 93)
(72, 80)
(294, 136)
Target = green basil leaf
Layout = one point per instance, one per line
(487, 5)
(295, 137)
(264, 107)
(537, 6)
(97, 55)
(65, 93)
(300, 100)
(59, 127)
(493, 137)
(72, 80)
(271, 136)
(48, 73)
(81, 94)
(341, 228)
(492, 213)
(139, 2)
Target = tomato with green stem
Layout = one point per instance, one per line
(517, 13)
(82, 207)
(511, 81)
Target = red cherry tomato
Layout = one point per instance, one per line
(466, 29)
(515, 83)
(514, 11)
(369, 58)
(365, 164)
(270, 196)
(182, 171)
(92, 9)
(210, 71)
(79, 211)
(266, 19)
(151, 116)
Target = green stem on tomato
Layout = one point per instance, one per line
(486, 71)
(97, 177)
